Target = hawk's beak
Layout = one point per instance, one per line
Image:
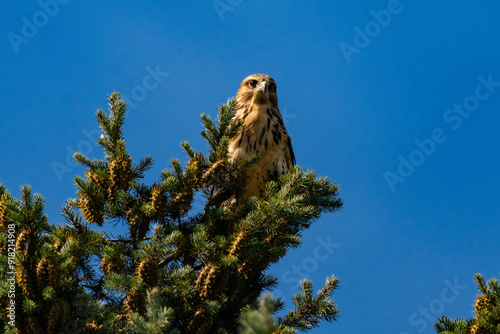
(263, 87)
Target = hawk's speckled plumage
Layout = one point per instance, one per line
(263, 133)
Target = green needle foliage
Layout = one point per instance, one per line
(310, 310)
(261, 320)
(157, 318)
(175, 269)
(486, 309)
(49, 267)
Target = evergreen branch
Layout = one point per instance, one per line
(177, 168)
(486, 309)
(32, 210)
(309, 309)
(188, 150)
(225, 118)
(118, 110)
(260, 321)
(157, 320)
(144, 165)
(495, 288)
(81, 184)
(4, 192)
(70, 215)
(82, 160)
(91, 164)
(112, 139)
(445, 325)
(125, 240)
(481, 284)
(211, 134)
(103, 121)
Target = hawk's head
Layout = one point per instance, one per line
(258, 88)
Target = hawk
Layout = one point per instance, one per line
(263, 133)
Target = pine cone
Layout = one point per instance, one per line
(134, 221)
(149, 272)
(91, 208)
(26, 243)
(213, 170)
(195, 167)
(237, 244)
(22, 242)
(120, 174)
(46, 274)
(92, 176)
(25, 280)
(180, 204)
(158, 202)
(3, 213)
(113, 264)
(206, 281)
(134, 302)
(482, 302)
(477, 329)
(200, 281)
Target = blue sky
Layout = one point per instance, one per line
(396, 101)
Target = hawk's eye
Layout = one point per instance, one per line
(253, 83)
(272, 87)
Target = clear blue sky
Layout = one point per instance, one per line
(397, 101)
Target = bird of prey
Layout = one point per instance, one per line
(263, 133)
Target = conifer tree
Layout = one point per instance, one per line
(486, 308)
(176, 269)
(52, 265)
